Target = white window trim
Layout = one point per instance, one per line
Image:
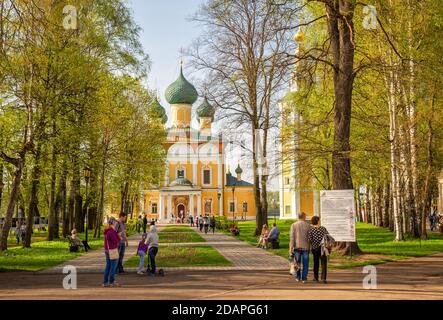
(180, 168)
(208, 167)
(152, 204)
(204, 205)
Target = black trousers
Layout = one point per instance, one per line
(318, 258)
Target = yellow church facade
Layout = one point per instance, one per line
(196, 181)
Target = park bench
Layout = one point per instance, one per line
(75, 247)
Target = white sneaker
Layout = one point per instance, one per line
(140, 272)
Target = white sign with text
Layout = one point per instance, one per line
(337, 214)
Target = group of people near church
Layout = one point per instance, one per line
(115, 244)
(305, 238)
(203, 223)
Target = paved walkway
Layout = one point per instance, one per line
(418, 278)
(242, 255)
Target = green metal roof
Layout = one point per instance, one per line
(158, 110)
(206, 110)
(181, 91)
(232, 181)
(181, 182)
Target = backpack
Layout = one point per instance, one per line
(326, 244)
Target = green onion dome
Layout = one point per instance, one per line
(158, 110)
(206, 110)
(181, 91)
(239, 170)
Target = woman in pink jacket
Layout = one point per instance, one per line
(112, 240)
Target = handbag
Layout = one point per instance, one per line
(113, 253)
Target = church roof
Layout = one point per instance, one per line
(206, 110)
(181, 91)
(181, 182)
(239, 170)
(232, 181)
(158, 110)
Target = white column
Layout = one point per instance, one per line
(191, 204)
(194, 172)
(160, 207)
(220, 178)
(220, 204)
(199, 204)
(168, 216)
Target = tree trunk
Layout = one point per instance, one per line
(12, 202)
(1, 184)
(33, 199)
(61, 201)
(97, 231)
(52, 217)
(259, 221)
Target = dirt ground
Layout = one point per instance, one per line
(419, 278)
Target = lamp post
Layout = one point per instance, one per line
(219, 197)
(233, 202)
(87, 176)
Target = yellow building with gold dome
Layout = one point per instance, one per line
(196, 181)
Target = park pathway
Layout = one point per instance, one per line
(242, 256)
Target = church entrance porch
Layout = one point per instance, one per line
(176, 206)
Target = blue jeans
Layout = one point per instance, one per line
(121, 255)
(302, 254)
(110, 269)
(141, 254)
(152, 253)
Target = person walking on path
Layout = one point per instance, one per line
(121, 230)
(200, 221)
(191, 220)
(197, 221)
(142, 250)
(139, 224)
(316, 235)
(111, 242)
(145, 223)
(212, 224)
(299, 246)
(152, 242)
(206, 223)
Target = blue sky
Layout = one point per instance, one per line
(166, 29)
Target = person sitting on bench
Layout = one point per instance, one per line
(77, 242)
(273, 236)
(234, 230)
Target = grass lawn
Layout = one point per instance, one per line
(179, 237)
(175, 256)
(42, 254)
(183, 228)
(377, 244)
